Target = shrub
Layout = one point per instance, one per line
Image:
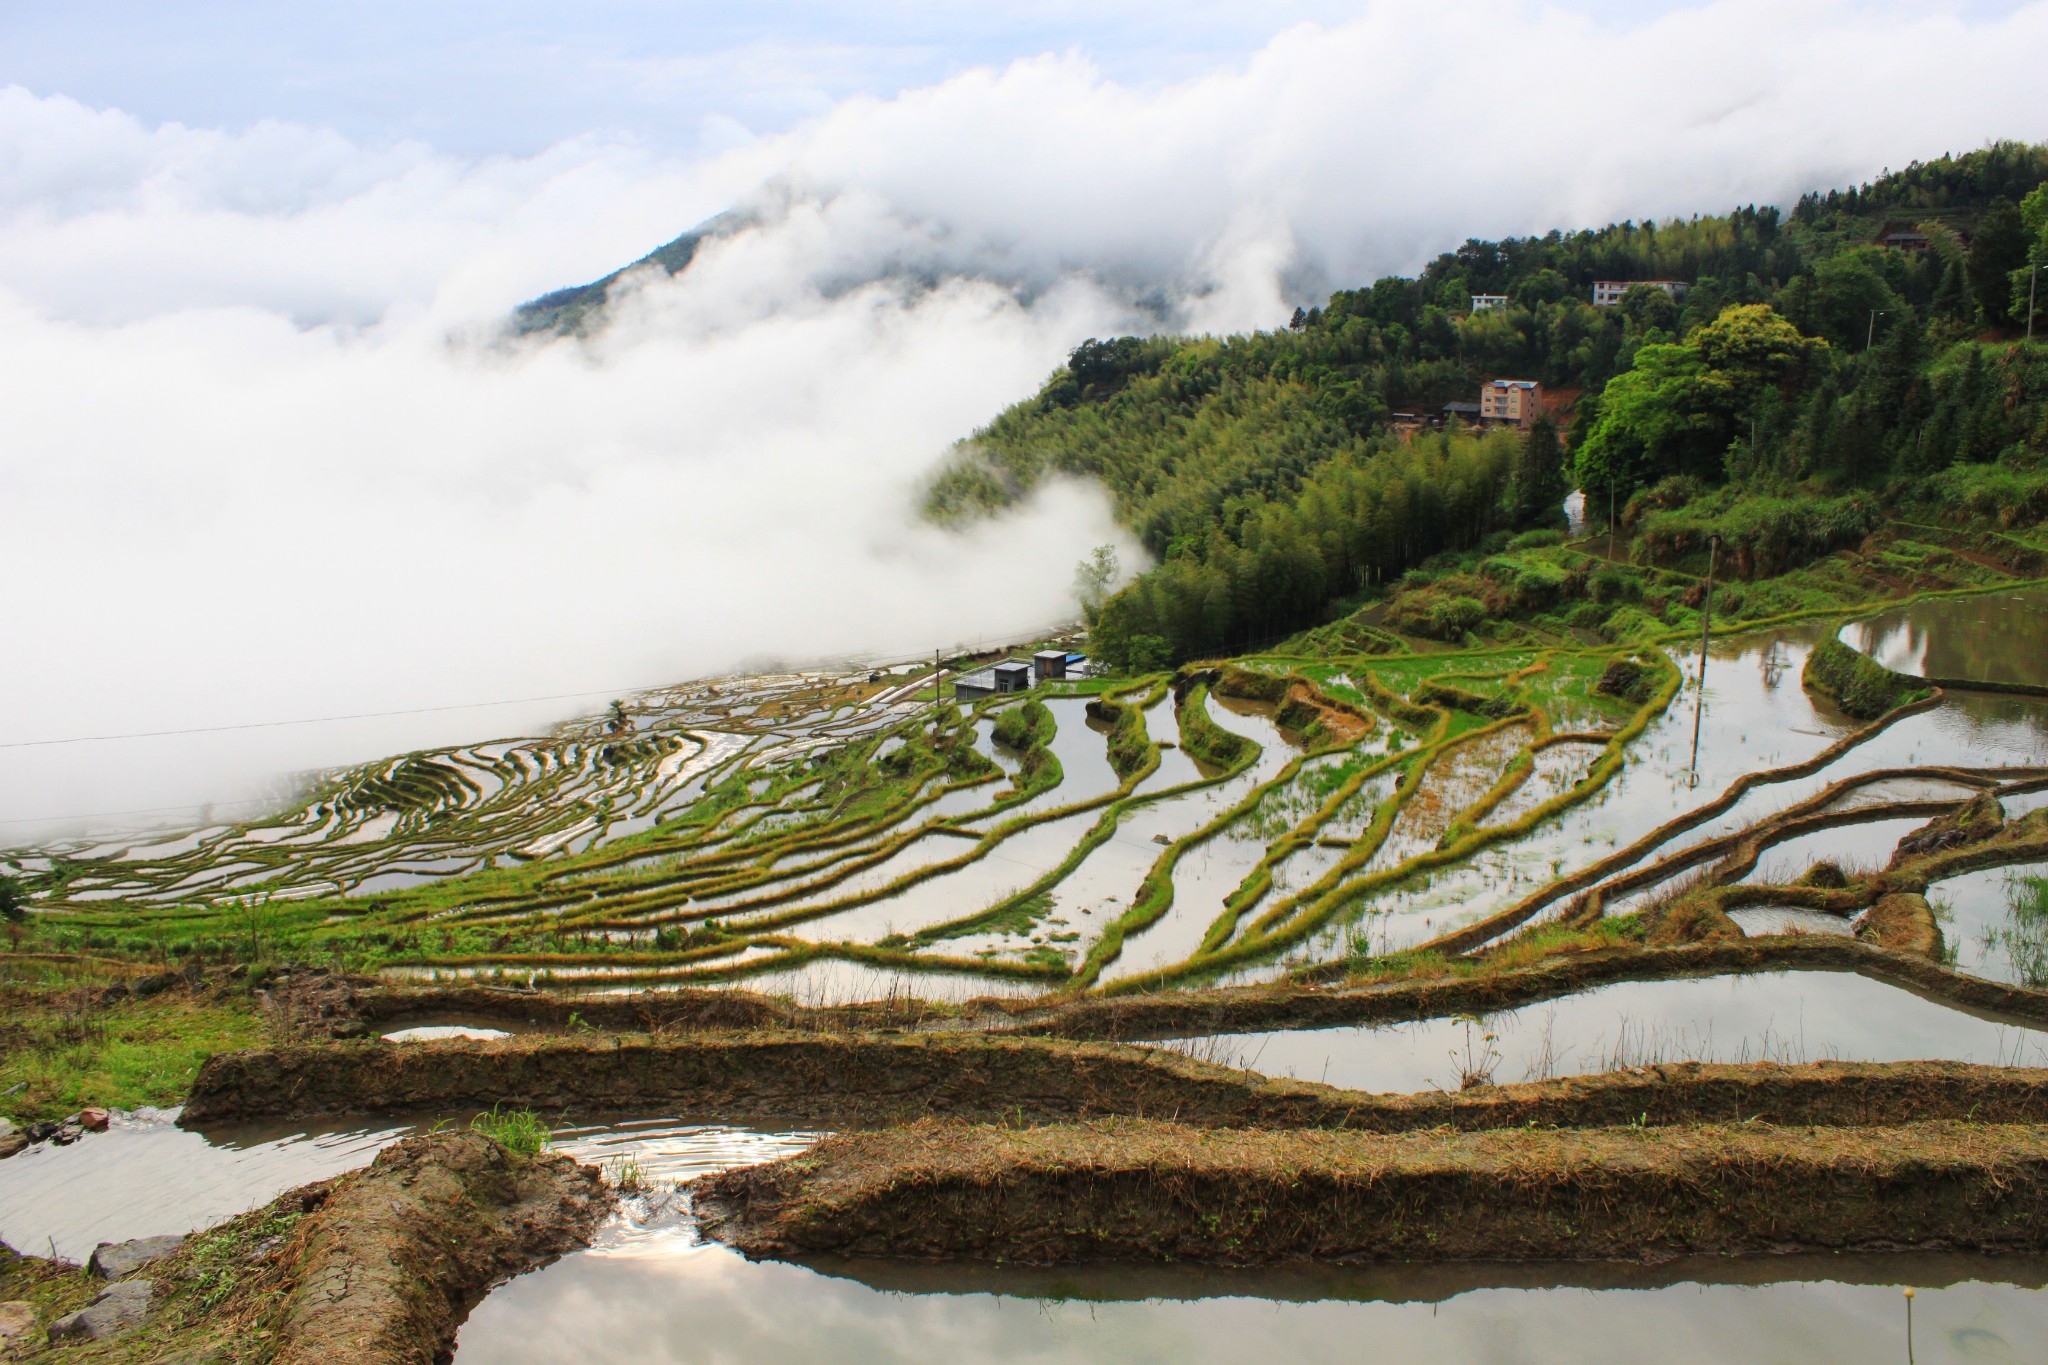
(1630, 679)
(1761, 537)
(1130, 746)
(1536, 540)
(1585, 616)
(1857, 683)
(1631, 623)
(1450, 617)
(1026, 726)
(1610, 585)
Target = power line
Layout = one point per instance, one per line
(319, 720)
(907, 657)
(138, 810)
(408, 711)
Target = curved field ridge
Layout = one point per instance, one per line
(862, 1080)
(1159, 1191)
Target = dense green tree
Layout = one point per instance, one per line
(13, 900)
(1998, 249)
(1260, 472)
(1540, 484)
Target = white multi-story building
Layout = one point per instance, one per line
(1484, 303)
(1607, 293)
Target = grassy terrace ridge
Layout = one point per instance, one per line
(1137, 1189)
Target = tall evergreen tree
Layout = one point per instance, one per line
(1539, 476)
(1999, 248)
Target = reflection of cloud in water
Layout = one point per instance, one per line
(1773, 1016)
(707, 1304)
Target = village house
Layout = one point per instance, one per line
(1486, 303)
(1014, 675)
(1510, 402)
(1607, 293)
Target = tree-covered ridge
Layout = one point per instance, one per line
(1806, 360)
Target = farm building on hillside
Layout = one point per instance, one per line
(1511, 402)
(1607, 293)
(1010, 675)
(1486, 303)
(1014, 675)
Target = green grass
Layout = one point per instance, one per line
(520, 1131)
(65, 1052)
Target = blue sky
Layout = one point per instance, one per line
(477, 78)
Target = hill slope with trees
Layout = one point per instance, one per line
(1809, 376)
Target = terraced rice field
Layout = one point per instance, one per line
(847, 836)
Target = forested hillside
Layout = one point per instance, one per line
(1808, 376)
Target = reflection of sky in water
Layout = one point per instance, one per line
(149, 1179)
(1774, 1016)
(1981, 923)
(708, 1305)
(1998, 637)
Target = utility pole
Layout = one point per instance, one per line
(935, 689)
(1870, 332)
(2033, 287)
(1699, 701)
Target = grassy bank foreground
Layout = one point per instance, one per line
(75, 1032)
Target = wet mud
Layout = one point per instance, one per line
(1159, 1191)
(845, 1082)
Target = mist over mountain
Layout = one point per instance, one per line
(267, 458)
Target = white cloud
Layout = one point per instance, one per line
(247, 474)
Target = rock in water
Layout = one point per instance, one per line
(94, 1120)
(12, 1139)
(113, 1310)
(118, 1260)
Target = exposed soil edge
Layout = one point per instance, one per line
(842, 1081)
(377, 1267)
(404, 1249)
(1147, 1191)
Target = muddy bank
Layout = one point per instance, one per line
(846, 1081)
(378, 1267)
(377, 1006)
(403, 1250)
(1154, 1191)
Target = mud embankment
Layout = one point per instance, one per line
(1153, 1191)
(402, 1251)
(849, 1081)
(378, 1267)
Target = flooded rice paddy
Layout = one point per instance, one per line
(703, 1303)
(1995, 637)
(1765, 1017)
(826, 834)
